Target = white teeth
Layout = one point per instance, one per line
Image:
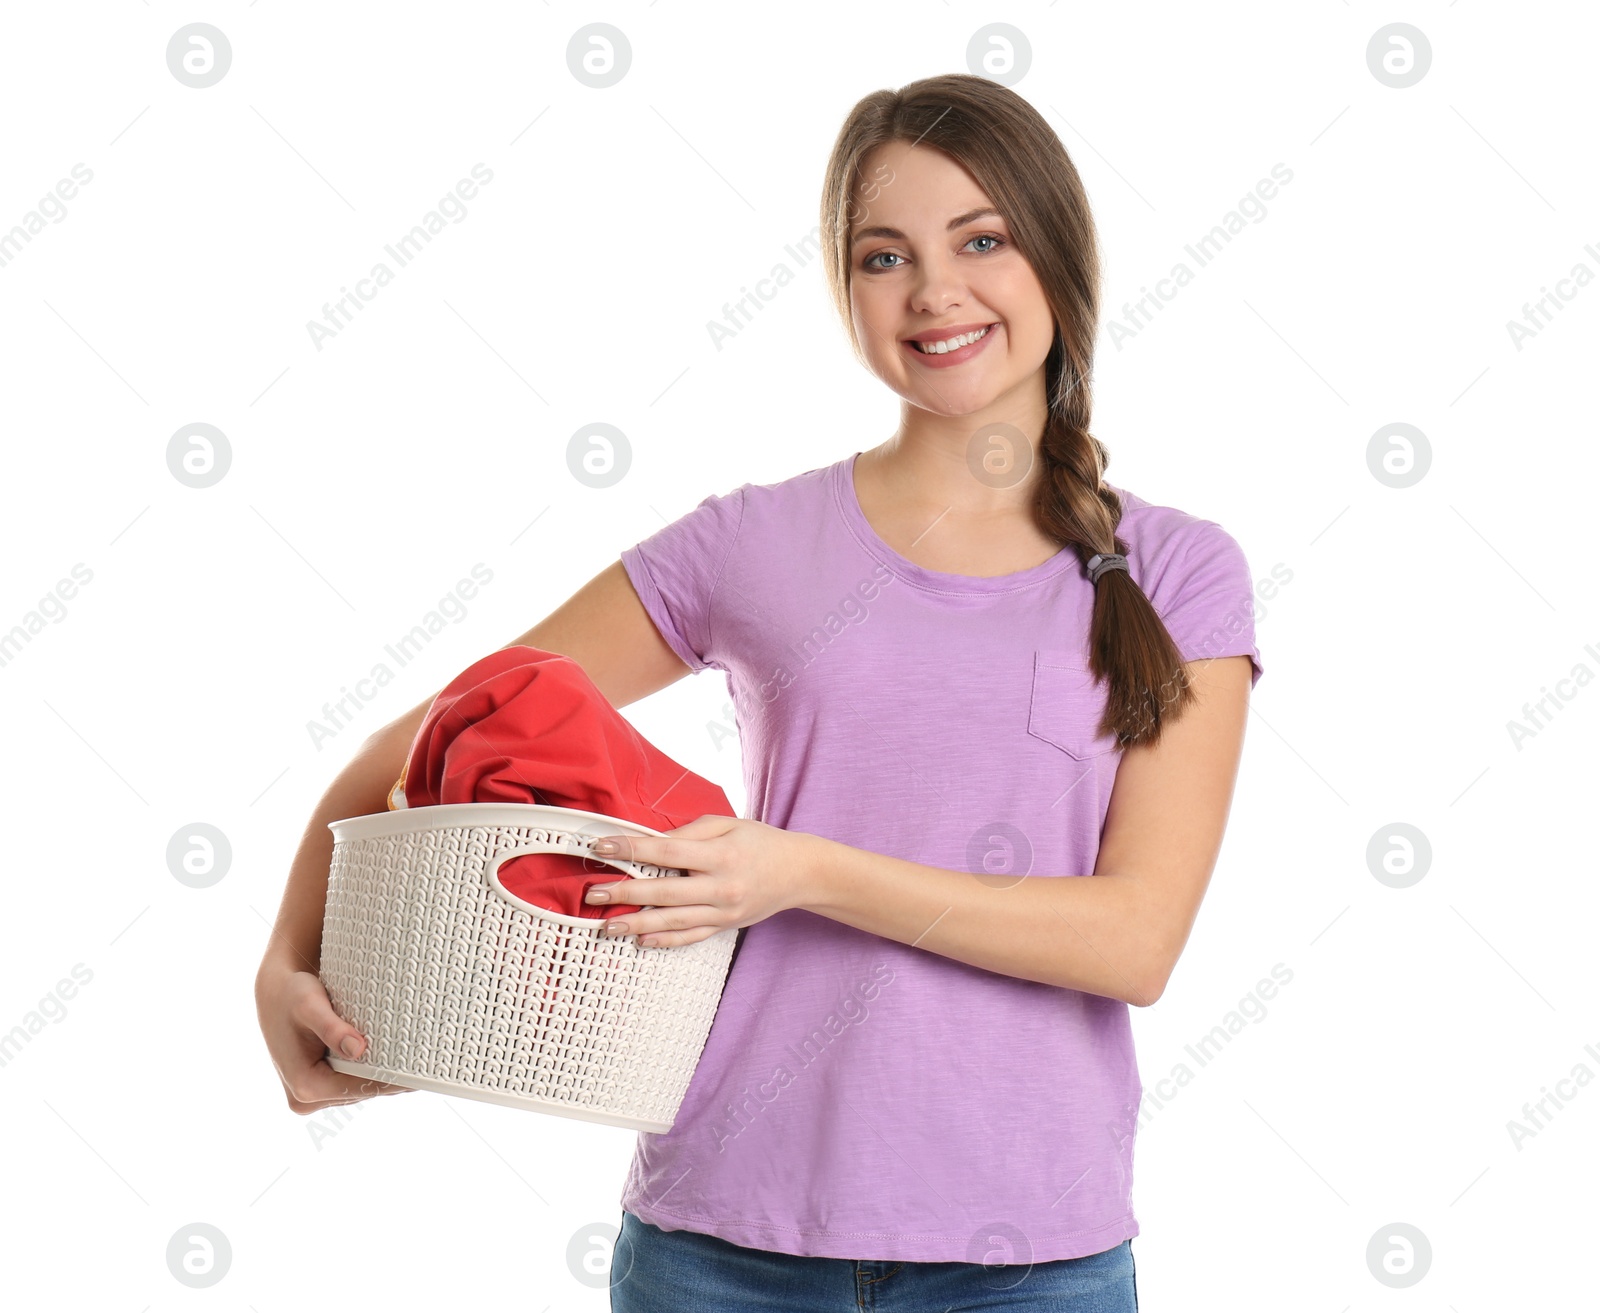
(950, 344)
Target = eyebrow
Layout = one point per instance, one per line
(960, 221)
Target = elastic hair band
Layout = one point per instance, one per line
(1099, 563)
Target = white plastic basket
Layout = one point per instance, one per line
(463, 988)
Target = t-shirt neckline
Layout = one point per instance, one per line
(844, 488)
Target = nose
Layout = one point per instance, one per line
(938, 286)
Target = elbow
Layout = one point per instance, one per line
(1151, 985)
(1157, 958)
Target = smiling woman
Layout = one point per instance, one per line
(1052, 687)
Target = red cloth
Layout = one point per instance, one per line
(527, 726)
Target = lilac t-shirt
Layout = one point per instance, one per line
(857, 1097)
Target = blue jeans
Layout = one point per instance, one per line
(656, 1271)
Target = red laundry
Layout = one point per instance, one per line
(527, 726)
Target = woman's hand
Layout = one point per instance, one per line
(750, 870)
(301, 1028)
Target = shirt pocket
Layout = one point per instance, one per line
(1067, 704)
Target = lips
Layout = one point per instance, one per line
(948, 332)
(946, 359)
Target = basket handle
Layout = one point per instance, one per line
(571, 845)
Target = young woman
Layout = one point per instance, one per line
(964, 668)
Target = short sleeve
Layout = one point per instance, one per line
(676, 571)
(1207, 601)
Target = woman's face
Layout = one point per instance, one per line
(930, 259)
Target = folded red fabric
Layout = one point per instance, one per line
(524, 725)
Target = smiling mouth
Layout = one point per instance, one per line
(953, 343)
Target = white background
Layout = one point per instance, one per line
(431, 434)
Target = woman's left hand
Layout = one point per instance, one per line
(739, 872)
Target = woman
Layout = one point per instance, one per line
(919, 1091)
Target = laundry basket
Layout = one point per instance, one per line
(463, 988)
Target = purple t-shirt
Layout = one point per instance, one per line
(858, 1097)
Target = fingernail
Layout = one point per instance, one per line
(616, 927)
(606, 846)
(597, 896)
(349, 1046)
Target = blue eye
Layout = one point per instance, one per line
(868, 263)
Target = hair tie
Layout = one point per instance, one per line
(1099, 563)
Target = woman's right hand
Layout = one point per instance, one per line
(301, 1029)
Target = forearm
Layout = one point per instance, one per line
(360, 789)
(1089, 933)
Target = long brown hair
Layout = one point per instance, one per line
(1006, 145)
